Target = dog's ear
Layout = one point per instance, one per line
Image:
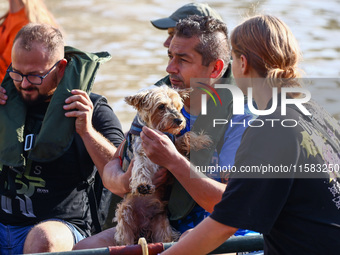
(137, 100)
(184, 93)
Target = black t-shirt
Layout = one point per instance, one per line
(297, 212)
(53, 189)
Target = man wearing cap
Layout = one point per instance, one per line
(183, 12)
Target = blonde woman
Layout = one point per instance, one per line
(297, 209)
(20, 13)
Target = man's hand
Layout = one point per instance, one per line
(3, 96)
(82, 107)
(158, 147)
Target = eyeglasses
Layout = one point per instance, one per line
(32, 78)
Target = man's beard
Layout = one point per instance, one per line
(41, 97)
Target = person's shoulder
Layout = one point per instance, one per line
(16, 19)
(100, 105)
(269, 125)
(98, 100)
(95, 96)
(164, 81)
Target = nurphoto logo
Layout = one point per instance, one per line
(204, 97)
(238, 100)
(239, 104)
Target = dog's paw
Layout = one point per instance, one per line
(145, 189)
(200, 141)
(191, 141)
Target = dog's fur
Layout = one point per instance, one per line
(142, 213)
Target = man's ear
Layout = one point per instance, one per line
(217, 69)
(61, 68)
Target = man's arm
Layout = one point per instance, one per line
(113, 176)
(159, 149)
(207, 236)
(100, 149)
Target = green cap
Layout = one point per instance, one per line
(183, 12)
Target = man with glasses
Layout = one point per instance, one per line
(31, 79)
(50, 135)
(34, 79)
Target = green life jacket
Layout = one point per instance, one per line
(57, 131)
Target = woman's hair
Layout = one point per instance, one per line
(36, 12)
(212, 34)
(270, 49)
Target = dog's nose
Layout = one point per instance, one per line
(178, 121)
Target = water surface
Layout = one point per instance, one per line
(139, 59)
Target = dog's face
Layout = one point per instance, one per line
(160, 108)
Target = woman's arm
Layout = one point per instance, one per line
(204, 238)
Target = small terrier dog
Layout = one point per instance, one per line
(142, 213)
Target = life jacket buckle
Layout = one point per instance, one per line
(29, 142)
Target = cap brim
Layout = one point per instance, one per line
(164, 23)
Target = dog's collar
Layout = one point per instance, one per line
(137, 129)
(137, 126)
